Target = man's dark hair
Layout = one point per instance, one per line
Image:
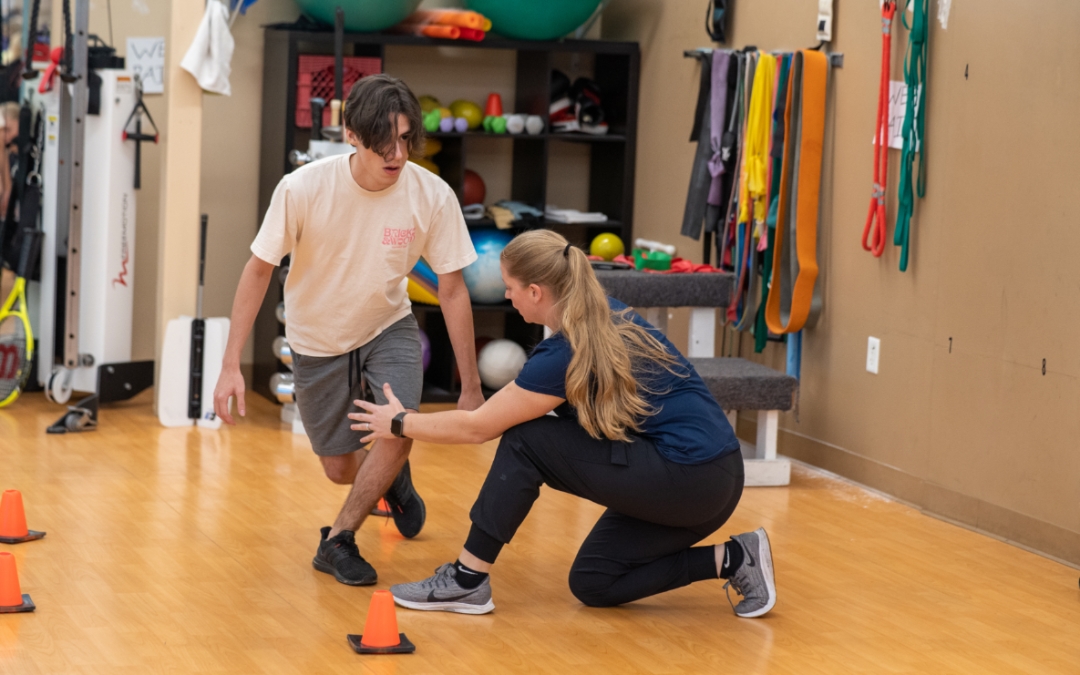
(372, 109)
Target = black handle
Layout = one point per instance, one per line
(339, 51)
(30, 251)
(29, 73)
(202, 246)
(317, 106)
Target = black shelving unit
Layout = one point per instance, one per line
(611, 175)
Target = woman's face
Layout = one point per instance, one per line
(533, 302)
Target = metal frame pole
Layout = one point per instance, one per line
(73, 107)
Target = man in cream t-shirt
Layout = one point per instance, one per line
(354, 226)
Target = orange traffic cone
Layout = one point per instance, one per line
(13, 520)
(12, 598)
(382, 509)
(381, 635)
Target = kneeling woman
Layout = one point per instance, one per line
(636, 431)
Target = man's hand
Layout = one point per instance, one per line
(230, 383)
(471, 398)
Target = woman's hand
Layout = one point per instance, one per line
(377, 418)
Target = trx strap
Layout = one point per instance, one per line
(873, 236)
(795, 271)
(914, 124)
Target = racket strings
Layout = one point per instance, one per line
(14, 364)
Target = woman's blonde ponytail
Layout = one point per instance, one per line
(600, 381)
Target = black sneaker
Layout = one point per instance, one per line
(406, 506)
(340, 556)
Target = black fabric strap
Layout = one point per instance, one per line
(704, 92)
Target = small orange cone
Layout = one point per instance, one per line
(382, 509)
(381, 634)
(13, 520)
(12, 598)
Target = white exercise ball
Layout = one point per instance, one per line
(499, 363)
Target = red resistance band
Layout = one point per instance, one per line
(875, 232)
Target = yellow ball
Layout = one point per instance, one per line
(445, 112)
(607, 245)
(429, 103)
(469, 110)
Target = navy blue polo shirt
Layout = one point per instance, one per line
(688, 428)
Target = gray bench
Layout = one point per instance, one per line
(737, 384)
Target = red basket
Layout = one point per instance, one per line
(315, 78)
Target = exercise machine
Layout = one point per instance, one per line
(88, 217)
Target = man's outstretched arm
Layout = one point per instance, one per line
(249, 296)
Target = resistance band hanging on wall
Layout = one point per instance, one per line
(776, 159)
(773, 138)
(914, 126)
(795, 267)
(753, 195)
(873, 237)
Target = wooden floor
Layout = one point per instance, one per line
(185, 551)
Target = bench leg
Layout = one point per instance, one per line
(768, 424)
(657, 316)
(763, 467)
(702, 342)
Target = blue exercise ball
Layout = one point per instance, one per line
(361, 16)
(484, 277)
(534, 19)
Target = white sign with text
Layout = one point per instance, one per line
(146, 59)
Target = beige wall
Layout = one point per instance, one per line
(977, 433)
(229, 192)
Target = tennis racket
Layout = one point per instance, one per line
(16, 337)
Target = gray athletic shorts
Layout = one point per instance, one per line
(327, 385)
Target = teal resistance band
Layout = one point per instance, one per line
(914, 125)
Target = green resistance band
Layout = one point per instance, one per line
(914, 126)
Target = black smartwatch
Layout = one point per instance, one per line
(397, 425)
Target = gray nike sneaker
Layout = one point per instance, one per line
(754, 579)
(441, 592)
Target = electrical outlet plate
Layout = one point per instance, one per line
(873, 354)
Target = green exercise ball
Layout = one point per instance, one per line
(361, 16)
(534, 19)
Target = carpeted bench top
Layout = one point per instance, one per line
(642, 289)
(738, 384)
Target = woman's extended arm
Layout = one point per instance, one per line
(510, 406)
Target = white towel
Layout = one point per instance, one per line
(211, 51)
(573, 216)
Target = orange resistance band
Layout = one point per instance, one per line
(873, 236)
(804, 139)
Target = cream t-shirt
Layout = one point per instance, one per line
(352, 249)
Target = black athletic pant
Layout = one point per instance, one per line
(656, 509)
